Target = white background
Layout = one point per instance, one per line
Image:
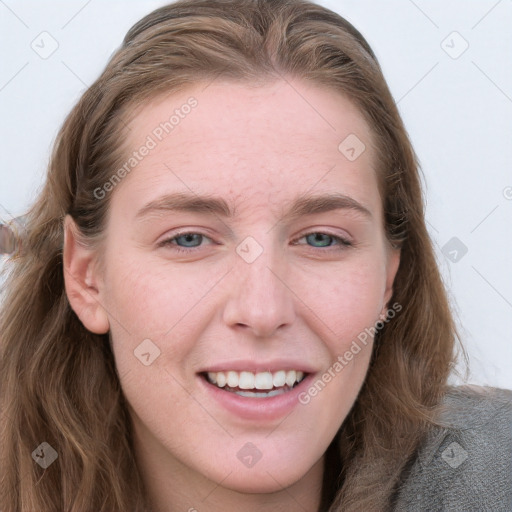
(458, 112)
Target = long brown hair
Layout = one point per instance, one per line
(58, 381)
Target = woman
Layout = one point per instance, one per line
(227, 298)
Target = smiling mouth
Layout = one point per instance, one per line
(255, 385)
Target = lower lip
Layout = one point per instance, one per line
(257, 408)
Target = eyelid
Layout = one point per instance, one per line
(168, 239)
(170, 234)
(344, 235)
(343, 242)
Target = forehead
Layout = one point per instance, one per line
(259, 146)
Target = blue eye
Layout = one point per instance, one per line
(189, 240)
(325, 239)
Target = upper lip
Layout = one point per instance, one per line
(259, 366)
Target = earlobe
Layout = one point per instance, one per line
(82, 283)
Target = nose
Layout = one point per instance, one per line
(260, 300)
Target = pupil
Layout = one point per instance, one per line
(190, 238)
(317, 237)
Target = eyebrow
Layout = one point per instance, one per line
(302, 206)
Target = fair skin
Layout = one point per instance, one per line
(299, 304)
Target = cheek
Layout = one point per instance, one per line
(166, 305)
(151, 299)
(345, 301)
(346, 307)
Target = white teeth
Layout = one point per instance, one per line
(246, 380)
(251, 394)
(232, 379)
(219, 377)
(279, 378)
(261, 380)
(291, 377)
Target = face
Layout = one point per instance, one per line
(222, 262)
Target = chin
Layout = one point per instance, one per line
(260, 482)
(263, 477)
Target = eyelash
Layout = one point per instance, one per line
(342, 242)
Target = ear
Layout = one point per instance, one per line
(82, 281)
(392, 264)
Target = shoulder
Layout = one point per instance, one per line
(465, 463)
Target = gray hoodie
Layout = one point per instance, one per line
(466, 465)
